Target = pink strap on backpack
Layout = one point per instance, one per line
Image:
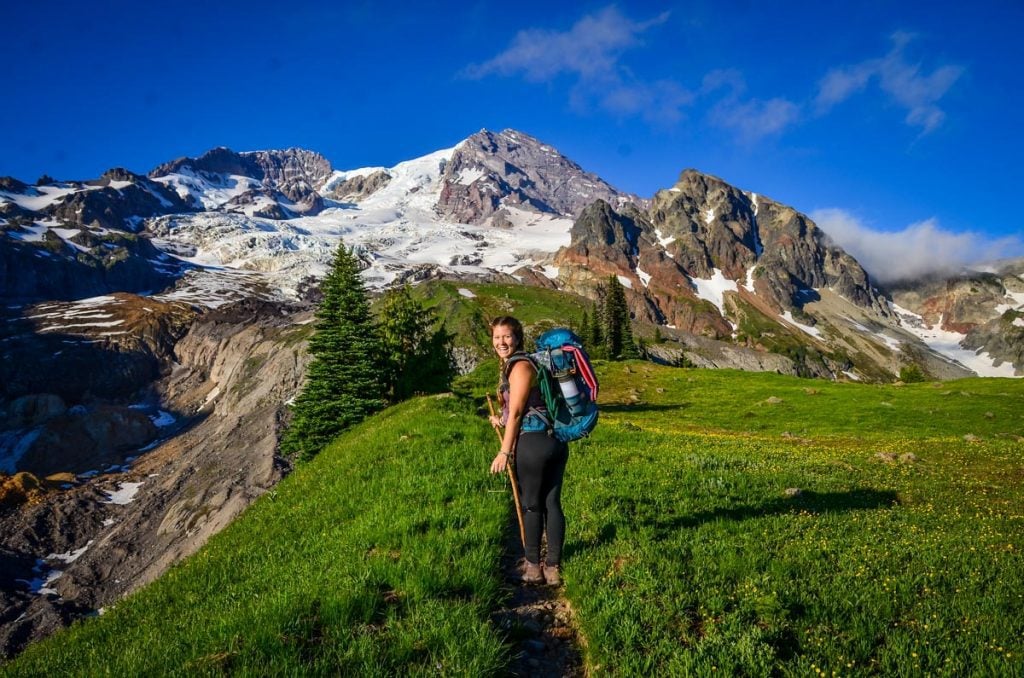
(583, 365)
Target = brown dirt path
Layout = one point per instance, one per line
(538, 621)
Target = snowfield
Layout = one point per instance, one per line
(393, 229)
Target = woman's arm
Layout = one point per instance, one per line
(520, 379)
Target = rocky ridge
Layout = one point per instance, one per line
(96, 535)
(489, 172)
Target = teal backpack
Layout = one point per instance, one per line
(567, 381)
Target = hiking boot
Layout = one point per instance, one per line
(552, 577)
(532, 573)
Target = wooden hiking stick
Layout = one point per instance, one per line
(511, 477)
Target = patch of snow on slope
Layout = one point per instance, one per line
(947, 344)
(749, 284)
(41, 197)
(70, 556)
(550, 272)
(1017, 303)
(664, 241)
(808, 329)
(466, 293)
(645, 277)
(124, 494)
(709, 215)
(13, 446)
(468, 176)
(714, 289)
(211, 193)
(626, 282)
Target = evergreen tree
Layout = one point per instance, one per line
(418, 357)
(345, 378)
(618, 328)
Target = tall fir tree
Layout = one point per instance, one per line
(418, 356)
(345, 378)
(618, 326)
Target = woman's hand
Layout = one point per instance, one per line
(500, 463)
(495, 421)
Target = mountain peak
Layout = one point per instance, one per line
(491, 173)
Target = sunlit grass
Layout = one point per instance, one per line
(759, 525)
(720, 523)
(378, 557)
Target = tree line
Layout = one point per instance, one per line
(361, 363)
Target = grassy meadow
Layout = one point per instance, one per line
(720, 523)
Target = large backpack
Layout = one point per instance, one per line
(567, 382)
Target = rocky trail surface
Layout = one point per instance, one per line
(539, 622)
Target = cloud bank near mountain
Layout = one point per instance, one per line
(922, 248)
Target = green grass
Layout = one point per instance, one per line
(377, 558)
(687, 557)
(468, 317)
(901, 555)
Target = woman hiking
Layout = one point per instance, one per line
(540, 458)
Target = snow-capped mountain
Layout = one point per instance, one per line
(700, 258)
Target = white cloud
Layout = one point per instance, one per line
(589, 50)
(751, 119)
(920, 248)
(754, 119)
(590, 53)
(901, 80)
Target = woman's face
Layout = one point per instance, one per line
(503, 339)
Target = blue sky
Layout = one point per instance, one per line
(894, 124)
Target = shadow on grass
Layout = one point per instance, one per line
(644, 516)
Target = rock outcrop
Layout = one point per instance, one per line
(489, 171)
(232, 373)
(294, 175)
(118, 200)
(361, 186)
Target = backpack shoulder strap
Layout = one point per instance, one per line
(517, 358)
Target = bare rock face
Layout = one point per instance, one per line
(31, 410)
(987, 307)
(488, 171)
(709, 224)
(606, 243)
(294, 174)
(708, 353)
(104, 348)
(231, 374)
(360, 187)
(86, 439)
(958, 303)
(55, 269)
(123, 201)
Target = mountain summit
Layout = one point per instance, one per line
(489, 174)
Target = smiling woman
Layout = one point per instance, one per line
(538, 458)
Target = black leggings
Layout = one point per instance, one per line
(540, 464)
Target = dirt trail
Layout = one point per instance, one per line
(539, 622)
